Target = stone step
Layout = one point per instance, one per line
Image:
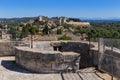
(91, 69)
(89, 76)
(56, 77)
(71, 76)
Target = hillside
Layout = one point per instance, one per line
(15, 20)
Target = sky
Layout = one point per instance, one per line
(68, 8)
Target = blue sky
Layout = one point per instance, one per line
(69, 8)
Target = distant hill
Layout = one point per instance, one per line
(26, 19)
(15, 20)
(101, 19)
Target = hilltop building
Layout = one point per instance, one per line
(85, 24)
(62, 20)
(53, 19)
(43, 18)
(4, 34)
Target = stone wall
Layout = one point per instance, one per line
(43, 46)
(94, 58)
(8, 48)
(38, 61)
(110, 63)
(68, 46)
(81, 48)
(44, 61)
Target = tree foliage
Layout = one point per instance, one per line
(46, 30)
(29, 29)
(59, 31)
(74, 19)
(101, 30)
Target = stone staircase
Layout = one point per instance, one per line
(80, 76)
(70, 76)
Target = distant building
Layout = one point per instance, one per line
(30, 21)
(53, 19)
(4, 35)
(79, 23)
(43, 18)
(61, 20)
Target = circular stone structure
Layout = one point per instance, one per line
(51, 57)
(38, 61)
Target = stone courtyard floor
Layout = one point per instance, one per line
(10, 71)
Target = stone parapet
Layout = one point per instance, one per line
(38, 61)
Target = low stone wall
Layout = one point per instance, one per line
(44, 61)
(78, 47)
(110, 63)
(8, 48)
(38, 61)
(43, 46)
(67, 46)
(94, 58)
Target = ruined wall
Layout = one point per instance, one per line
(94, 58)
(68, 46)
(38, 61)
(7, 48)
(110, 63)
(81, 48)
(43, 46)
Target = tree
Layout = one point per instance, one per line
(29, 29)
(33, 30)
(59, 31)
(13, 31)
(46, 30)
(25, 32)
(75, 19)
(1, 26)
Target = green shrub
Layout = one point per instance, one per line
(65, 38)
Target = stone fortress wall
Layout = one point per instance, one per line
(68, 46)
(64, 48)
(52, 56)
(109, 61)
(7, 48)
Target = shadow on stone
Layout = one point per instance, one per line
(11, 65)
